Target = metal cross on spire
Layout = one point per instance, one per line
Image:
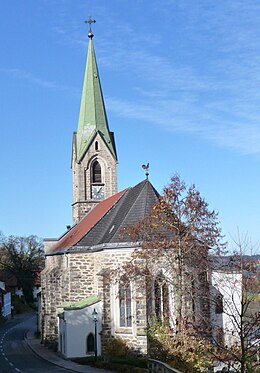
(90, 21)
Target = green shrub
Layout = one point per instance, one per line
(115, 364)
(183, 351)
(19, 305)
(117, 347)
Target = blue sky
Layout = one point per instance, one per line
(181, 83)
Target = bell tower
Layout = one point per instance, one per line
(94, 158)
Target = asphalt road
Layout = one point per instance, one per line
(15, 355)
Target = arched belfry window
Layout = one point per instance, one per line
(96, 172)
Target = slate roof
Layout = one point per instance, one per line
(74, 235)
(104, 224)
(232, 262)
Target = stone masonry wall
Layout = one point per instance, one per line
(81, 177)
(54, 290)
(75, 276)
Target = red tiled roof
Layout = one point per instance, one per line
(11, 281)
(8, 278)
(84, 226)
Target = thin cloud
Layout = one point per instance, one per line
(180, 116)
(28, 77)
(219, 101)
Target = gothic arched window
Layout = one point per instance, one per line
(165, 301)
(90, 343)
(96, 172)
(157, 299)
(96, 145)
(125, 312)
(161, 298)
(219, 303)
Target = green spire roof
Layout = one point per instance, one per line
(92, 116)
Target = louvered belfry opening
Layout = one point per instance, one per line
(96, 172)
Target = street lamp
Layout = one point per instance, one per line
(94, 315)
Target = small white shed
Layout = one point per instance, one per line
(80, 325)
(228, 286)
(5, 301)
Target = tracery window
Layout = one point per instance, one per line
(125, 309)
(161, 298)
(96, 172)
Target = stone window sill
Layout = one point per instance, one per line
(124, 331)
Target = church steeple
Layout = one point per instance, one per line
(94, 159)
(92, 116)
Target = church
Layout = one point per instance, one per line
(75, 281)
(82, 305)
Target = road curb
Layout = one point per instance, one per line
(49, 359)
(50, 356)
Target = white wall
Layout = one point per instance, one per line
(36, 290)
(6, 309)
(2, 285)
(74, 329)
(230, 287)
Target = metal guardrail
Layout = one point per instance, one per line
(156, 366)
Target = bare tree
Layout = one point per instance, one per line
(236, 320)
(23, 258)
(176, 236)
(175, 239)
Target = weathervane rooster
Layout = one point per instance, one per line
(146, 168)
